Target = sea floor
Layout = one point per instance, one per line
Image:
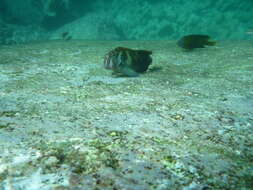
(67, 124)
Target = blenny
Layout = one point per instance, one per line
(193, 41)
(127, 62)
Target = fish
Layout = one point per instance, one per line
(127, 62)
(66, 36)
(193, 41)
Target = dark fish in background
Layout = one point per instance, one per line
(66, 36)
(193, 41)
(127, 62)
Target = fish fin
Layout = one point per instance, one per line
(128, 72)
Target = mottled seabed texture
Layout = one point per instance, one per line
(67, 123)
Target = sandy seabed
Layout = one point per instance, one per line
(66, 123)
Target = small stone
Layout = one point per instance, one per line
(221, 132)
(178, 117)
(113, 133)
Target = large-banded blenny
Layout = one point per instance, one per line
(127, 62)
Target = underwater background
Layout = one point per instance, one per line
(28, 20)
(126, 94)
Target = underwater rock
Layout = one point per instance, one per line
(127, 62)
(193, 41)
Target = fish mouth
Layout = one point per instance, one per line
(113, 60)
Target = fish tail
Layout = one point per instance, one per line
(211, 43)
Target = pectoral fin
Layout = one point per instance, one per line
(128, 72)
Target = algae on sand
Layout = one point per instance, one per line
(185, 125)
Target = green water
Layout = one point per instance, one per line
(31, 20)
